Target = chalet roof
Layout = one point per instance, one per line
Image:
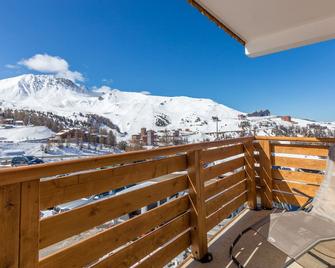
(64, 131)
(268, 26)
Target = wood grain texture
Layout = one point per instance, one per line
(289, 187)
(300, 163)
(298, 176)
(64, 225)
(167, 253)
(27, 173)
(92, 248)
(298, 139)
(29, 225)
(265, 173)
(221, 153)
(291, 199)
(65, 189)
(222, 168)
(225, 197)
(136, 251)
(10, 200)
(198, 210)
(249, 159)
(315, 150)
(220, 185)
(225, 211)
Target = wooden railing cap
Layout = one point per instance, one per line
(301, 139)
(28, 173)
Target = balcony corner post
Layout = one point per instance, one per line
(265, 161)
(249, 159)
(198, 211)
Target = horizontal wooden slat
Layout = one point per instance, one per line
(225, 211)
(299, 139)
(133, 253)
(214, 171)
(167, 253)
(59, 227)
(315, 150)
(299, 163)
(285, 186)
(221, 153)
(297, 176)
(291, 199)
(102, 243)
(220, 200)
(76, 186)
(221, 184)
(27, 173)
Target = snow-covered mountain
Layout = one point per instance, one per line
(129, 110)
(37, 86)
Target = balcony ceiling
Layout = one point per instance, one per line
(268, 26)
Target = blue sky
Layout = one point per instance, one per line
(166, 48)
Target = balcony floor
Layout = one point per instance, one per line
(256, 252)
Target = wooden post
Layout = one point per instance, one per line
(29, 227)
(19, 224)
(198, 209)
(265, 173)
(10, 225)
(250, 173)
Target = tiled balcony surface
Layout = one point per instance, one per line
(254, 251)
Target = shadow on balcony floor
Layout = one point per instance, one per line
(253, 252)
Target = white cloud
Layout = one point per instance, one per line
(12, 66)
(51, 64)
(72, 75)
(45, 63)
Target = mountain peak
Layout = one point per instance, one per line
(29, 85)
(130, 111)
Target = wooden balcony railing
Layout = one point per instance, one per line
(192, 189)
(288, 165)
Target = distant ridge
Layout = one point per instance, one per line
(131, 111)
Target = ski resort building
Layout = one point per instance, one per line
(246, 202)
(145, 138)
(68, 134)
(286, 118)
(151, 139)
(242, 116)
